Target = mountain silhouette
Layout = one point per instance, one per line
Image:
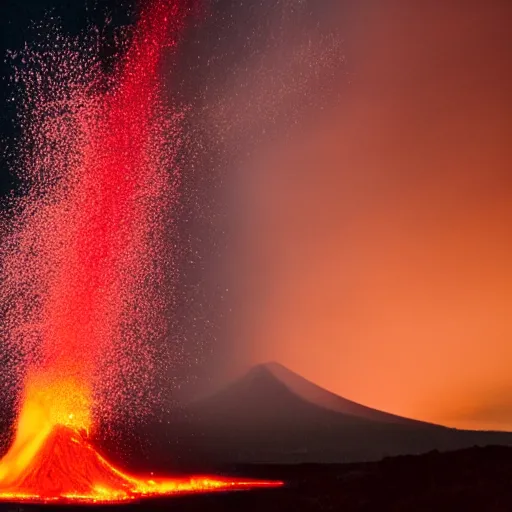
(271, 414)
(272, 393)
(319, 396)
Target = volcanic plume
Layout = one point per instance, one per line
(85, 259)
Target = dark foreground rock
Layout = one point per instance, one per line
(472, 479)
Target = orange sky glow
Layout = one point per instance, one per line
(378, 250)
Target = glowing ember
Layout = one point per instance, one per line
(51, 459)
(84, 261)
(60, 465)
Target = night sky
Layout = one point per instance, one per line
(347, 198)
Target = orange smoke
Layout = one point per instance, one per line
(375, 258)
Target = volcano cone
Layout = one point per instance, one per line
(68, 468)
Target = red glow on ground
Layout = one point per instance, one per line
(67, 468)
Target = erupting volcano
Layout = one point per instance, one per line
(52, 460)
(84, 261)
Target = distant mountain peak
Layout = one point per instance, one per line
(272, 414)
(271, 381)
(274, 365)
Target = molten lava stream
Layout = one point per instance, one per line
(51, 459)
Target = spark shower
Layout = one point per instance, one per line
(84, 259)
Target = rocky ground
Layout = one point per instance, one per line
(473, 479)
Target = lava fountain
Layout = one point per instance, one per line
(84, 262)
(51, 459)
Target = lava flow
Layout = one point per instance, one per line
(83, 263)
(51, 459)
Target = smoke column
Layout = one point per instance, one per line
(85, 257)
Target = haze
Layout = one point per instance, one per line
(374, 225)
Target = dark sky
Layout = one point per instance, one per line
(18, 26)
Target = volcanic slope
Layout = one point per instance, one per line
(68, 469)
(274, 415)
